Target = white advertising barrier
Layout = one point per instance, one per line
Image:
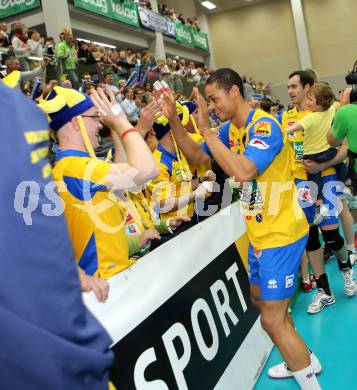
(181, 317)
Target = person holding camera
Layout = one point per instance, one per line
(345, 126)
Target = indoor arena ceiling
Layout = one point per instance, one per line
(226, 5)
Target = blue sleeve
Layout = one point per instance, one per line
(265, 143)
(223, 135)
(41, 276)
(279, 117)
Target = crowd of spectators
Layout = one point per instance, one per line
(171, 13)
(70, 58)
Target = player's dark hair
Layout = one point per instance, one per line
(305, 77)
(225, 79)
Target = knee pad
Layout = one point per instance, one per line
(313, 243)
(333, 239)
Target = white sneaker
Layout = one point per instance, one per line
(353, 258)
(350, 282)
(320, 300)
(281, 371)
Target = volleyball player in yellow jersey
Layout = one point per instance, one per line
(276, 225)
(299, 84)
(298, 87)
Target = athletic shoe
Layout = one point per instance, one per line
(353, 258)
(350, 282)
(320, 300)
(281, 371)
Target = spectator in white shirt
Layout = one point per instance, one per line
(129, 106)
(109, 84)
(192, 71)
(35, 44)
(20, 45)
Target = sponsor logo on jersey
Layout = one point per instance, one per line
(263, 129)
(259, 144)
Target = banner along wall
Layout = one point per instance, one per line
(11, 7)
(123, 11)
(181, 317)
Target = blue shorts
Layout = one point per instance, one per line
(275, 270)
(307, 199)
(332, 191)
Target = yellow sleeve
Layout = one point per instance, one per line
(161, 188)
(307, 121)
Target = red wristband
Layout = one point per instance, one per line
(126, 132)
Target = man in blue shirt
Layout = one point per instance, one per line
(49, 340)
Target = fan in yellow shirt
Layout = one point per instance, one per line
(175, 189)
(142, 225)
(94, 217)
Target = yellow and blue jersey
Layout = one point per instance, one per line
(174, 181)
(288, 118)
(95, 219)
(269, 203)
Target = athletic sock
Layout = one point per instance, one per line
(351, 248)
(306, 378)
(322, 282)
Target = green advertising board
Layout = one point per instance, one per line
(14, 7)
(183, 34)
(190, 36)
(126, 12)
(199, 39)
(123, 11)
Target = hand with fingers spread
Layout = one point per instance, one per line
(203, 113)
(147, 117)
(88, 283)
(169, 105)
(110, 111)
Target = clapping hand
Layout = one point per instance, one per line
(203, 113)
(147, 117)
